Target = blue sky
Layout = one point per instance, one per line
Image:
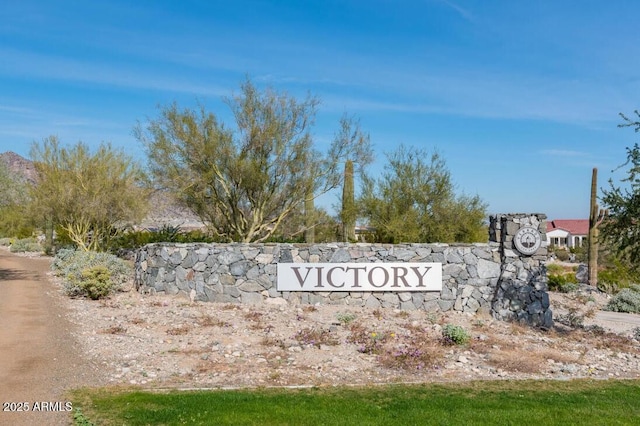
(521, 98)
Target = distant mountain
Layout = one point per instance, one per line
(19, 166)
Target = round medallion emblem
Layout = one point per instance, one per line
(527, 240)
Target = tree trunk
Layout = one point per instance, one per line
(593, 231)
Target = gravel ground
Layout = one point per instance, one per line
(158, 341)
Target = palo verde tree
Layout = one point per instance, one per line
(414, 201)
(86, 194)
(244, 181)
(621, 228)
(13, 202)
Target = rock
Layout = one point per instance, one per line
(582, 274)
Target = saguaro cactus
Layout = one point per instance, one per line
(596, 216)
(309, 216)
(348, 213)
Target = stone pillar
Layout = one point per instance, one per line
(522, 287)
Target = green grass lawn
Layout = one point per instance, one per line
(578, 402)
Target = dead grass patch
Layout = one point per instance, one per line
(116, 329)
(517, 361)
(253, 316)
(179, 330)
(230, 307)
(209, 321)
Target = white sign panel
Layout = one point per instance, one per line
(359, 277)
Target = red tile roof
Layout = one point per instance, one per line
(573, 226)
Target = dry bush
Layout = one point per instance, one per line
(412, 355)
(115, 329)
(253, 316)
(273, 342)
(316, 336)
(137, 321)
(558, 356)
(517, 360)
(377, 314)
(108, 303)
(209, 321)
(615, 342)
(230, 307)
(179, 330)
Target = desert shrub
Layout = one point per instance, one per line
(6, 242)
(455, 335)
(71, 265)
(345, 317)
(95, 282)
(580, 253)
(573, 318)
(167, 234)
(25, 245)
(564, 283)
(615, 276)
(627, 300)
(562, 255)
(554, 268)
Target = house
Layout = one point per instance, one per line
(567, 233)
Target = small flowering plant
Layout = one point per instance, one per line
(311, 336)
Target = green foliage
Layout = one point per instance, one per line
(79, 419)
(564, 283)
(244, 182)
(561, 254)
(86, 273)
(455, 335)
(580, 254)
(554, 268)
(295, 226)
(616, 276)
(620, 228)
(478, 403)
(95, 282)
(627, 300)
(86, 194)
(414, 201)
(132, 240)
(345, 317)
(14, 221)
(25, 245)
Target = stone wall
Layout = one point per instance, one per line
(492, 277)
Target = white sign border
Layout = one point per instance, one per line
(360, 277)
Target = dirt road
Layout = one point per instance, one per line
(39, 360)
